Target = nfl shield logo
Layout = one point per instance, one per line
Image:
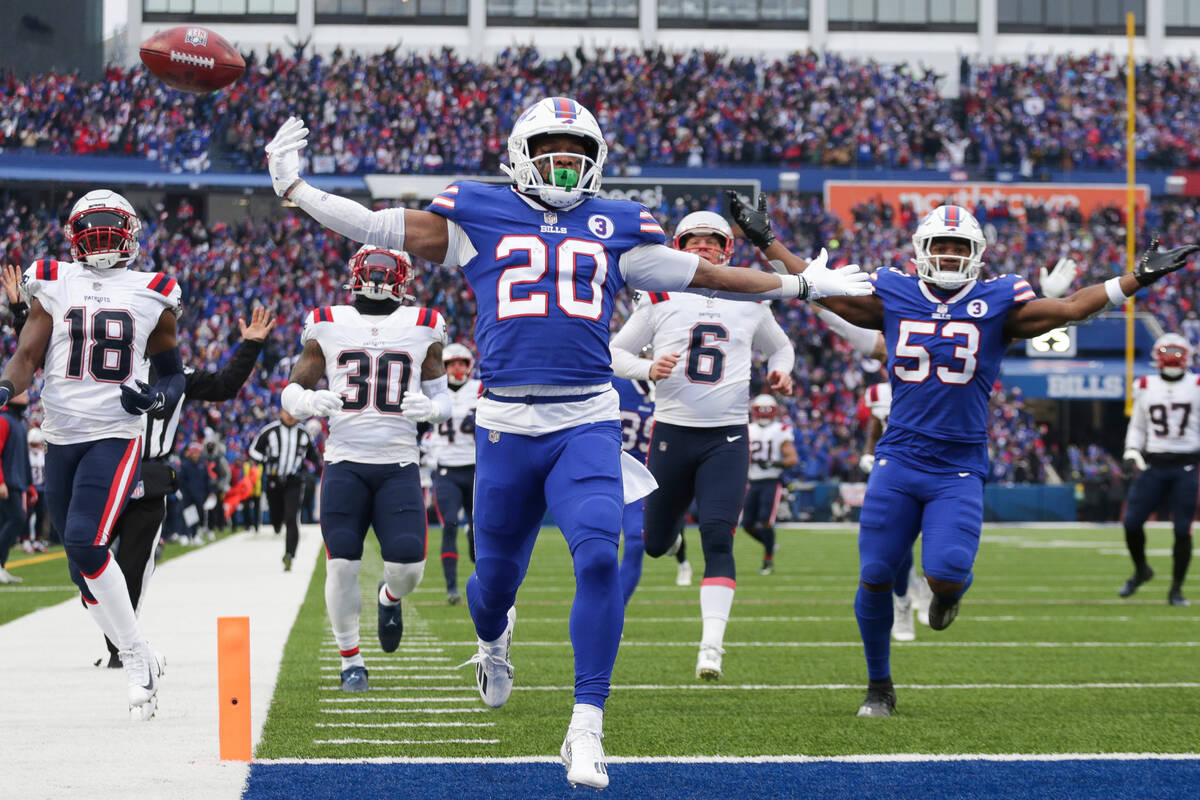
(197, 37)
(493, 436)
(943, 308)
(374, 331)
(550, 217)
(97, 286)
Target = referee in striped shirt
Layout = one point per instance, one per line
(140, 523)
(282, 446)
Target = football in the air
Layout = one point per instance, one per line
(192, 59)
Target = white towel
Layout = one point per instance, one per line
(636, 479)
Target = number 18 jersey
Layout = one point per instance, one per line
(944, 355)
(102, 321)
(372, 361)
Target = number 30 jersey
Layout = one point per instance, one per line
(372, 361)
(944, 355)
(1166, 415)
(102, 320)
(453, 441)
(716, 338)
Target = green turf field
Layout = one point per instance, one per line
(1044, 658)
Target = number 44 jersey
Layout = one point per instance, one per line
(453, 441)
(102, 320)
(372, 361)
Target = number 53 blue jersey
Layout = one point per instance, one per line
(944, 354)
(544, 280)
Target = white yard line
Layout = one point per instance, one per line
(781, 759)
(406, 741)
(72, 736)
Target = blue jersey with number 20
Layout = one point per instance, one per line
(944, 353)
(544, 280)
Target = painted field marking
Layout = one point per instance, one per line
(406, 724)
(409, 699)
(779, 759)
(39, 559)
(473, 710)
(394, 669)
(1012, 645)
(406, 741)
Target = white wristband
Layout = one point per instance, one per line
(1116, 296)
(793, 286)
(295, 400)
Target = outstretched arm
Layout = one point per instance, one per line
(1039, 316)
(419, 232)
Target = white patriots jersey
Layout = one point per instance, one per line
(766, 450)
(102, 320)
(372, 361)
(879, 401)
(1166, 415)
(453, 441)
(715, 337)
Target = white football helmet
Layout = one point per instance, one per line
(953, 222)
(377, 273)
(103, 229)
(763, 409)
(556, 115)
(457, 374)
(1172, 355)
(706, 222)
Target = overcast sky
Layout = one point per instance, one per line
(115, 14)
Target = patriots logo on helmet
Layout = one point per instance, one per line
(197, 37)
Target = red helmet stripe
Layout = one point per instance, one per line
(564, 109)
(952, 216)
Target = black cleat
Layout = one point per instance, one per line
(1175, 597)
(880, 701)
(942, 612)
(1139, 577)
(391, 624)
(354, 679)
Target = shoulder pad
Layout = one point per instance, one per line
(45, 269)
(320, 315)
(162, 284)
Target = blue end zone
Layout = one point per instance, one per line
(997, 780)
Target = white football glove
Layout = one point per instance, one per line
(324, 402)
(1057, 282)
(847, 281)
(866, 461)
(1136, 457)
(416, 407)
(283, 154)
(303, 403)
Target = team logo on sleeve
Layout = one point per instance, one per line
(977, 308)
(600, 225)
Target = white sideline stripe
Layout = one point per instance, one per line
(390, 657)
(406, 724)
(398, 677)
(18, 588)
(237, 576)
(1001, 618)
(472, 710)
(406, 741)
(405, 699)
(1014, 645)
(716, 687)
(788, 759)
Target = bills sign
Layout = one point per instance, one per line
(842, 196)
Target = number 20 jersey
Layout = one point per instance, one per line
(544, 280)
(372, 361)
(944, 355)
(102, 321)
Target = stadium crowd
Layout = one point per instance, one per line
(439, 112)
(291, 264)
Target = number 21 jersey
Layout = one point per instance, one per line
(102, 321)
(372, 361)
(944, 354)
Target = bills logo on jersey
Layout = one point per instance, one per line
(197, 37)
(600, 225)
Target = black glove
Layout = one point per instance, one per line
(141, 402)
(6, 393)
(1156, 263)
(754, 222)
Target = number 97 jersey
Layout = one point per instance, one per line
(102, 320)
(372, 362)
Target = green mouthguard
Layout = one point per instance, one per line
(565, 178)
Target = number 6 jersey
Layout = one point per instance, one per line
(102, 320)
(371, 361)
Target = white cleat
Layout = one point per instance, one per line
(583, 756)
(903, 627)
(683, 574)
(143, 669)
(493, 670)
(708, 662)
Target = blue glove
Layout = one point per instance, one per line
(137, 402)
